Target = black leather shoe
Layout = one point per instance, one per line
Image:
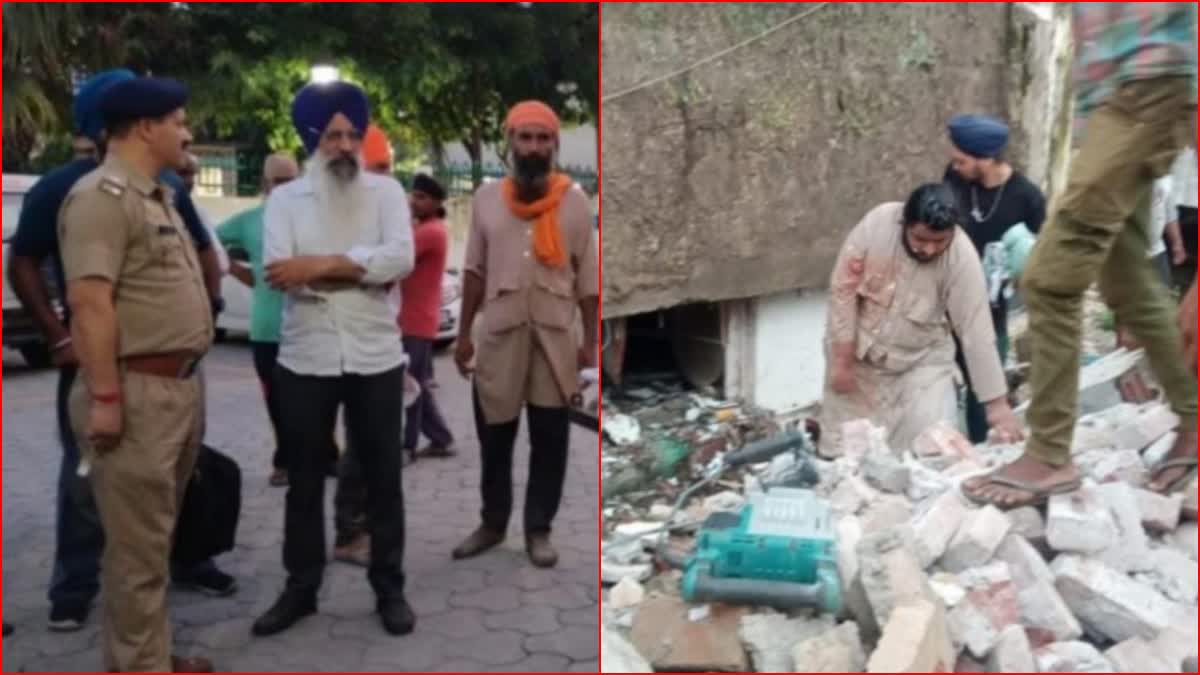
(397, 616)
(288, 609)
(480, 540)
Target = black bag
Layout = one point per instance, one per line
(212, 505)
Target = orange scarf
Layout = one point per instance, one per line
(547, 236)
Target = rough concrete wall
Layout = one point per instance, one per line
(742, 176)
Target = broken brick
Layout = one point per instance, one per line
(1159, 513)
(1012, 653)
(1139, 656)
(914, 640)
(1079, 522)
(1184, 539)
(1071, 657)
(1150, 424)
(890, 573)
(1109, 466)
(670, 641)
(886, 472)
(619, 656)
(1128, 552)
(976, 540)
(838, 650)
(1171, 573)
(989, 606)
(769, 638)
(627, 593)
(861, 439)
(935, 528)
(943, 440)
(1043, 611)
(1108, 602)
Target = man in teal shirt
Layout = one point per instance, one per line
(245, 231)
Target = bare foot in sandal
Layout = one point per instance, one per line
(1037, 479)
(1172, 474)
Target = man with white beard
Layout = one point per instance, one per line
(335, 239)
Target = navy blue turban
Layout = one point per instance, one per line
(978, 135)
(316, 104)
(85, 109)
(142, 98)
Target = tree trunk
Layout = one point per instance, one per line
(474, 147)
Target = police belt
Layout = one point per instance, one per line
(176, 365)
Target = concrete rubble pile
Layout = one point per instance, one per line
(1100, 580)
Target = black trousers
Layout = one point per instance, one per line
(265, 356)
(549, 436)
(424, 415)
(1184, 275)
(308, 410)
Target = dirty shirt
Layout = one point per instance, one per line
(898, 314)
(529, 330)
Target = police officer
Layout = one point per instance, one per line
(78, 537)
(141, 323)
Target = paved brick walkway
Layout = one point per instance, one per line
(493, 613)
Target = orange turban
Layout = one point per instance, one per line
(531, 112)
(376, 148)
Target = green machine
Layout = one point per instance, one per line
(779, 550)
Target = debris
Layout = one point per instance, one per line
(989, 606)
(1171, 573)
(976, 540)
(838, 650)
(644, 532)
(1128, 552)
(1012, 653)
(943, 440)
(1071, 657)
(934, 529)
(1159, 513)
(1109, 603)
(1184, 539)
(770, 637)
(1042, 608)
(627, 593)
(862, 439)
(612, 573)
(1189, 502)
(1150, 424)
(699, 613)
(851, 495)
(1028, 522)
(724, 501)
(1107, 466)
(1079, 522)
(622, 429)
(670, 642)
(886, 472)
(1158, 450)
(915, 640)
(890, 573)
(1136, 655)
(619, 656)
(885, 513)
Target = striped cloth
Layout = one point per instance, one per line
(1117, 42)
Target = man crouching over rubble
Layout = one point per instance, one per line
(905, 278)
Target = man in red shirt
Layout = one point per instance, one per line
(421, 299)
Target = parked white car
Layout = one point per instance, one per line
(451, 308)
(20, 332)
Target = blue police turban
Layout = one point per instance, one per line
(316, 104)
(85, 109)
(978, 135)
(142, 97)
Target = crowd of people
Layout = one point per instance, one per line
(345, 267)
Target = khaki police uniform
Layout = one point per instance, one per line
(120, 226)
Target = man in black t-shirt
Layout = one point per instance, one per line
(993, 197)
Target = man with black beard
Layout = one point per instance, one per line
(334, 241)
(906, 281)
(531, 262)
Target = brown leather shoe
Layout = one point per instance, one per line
(541, 553)
(480, 540)
(191, 664)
